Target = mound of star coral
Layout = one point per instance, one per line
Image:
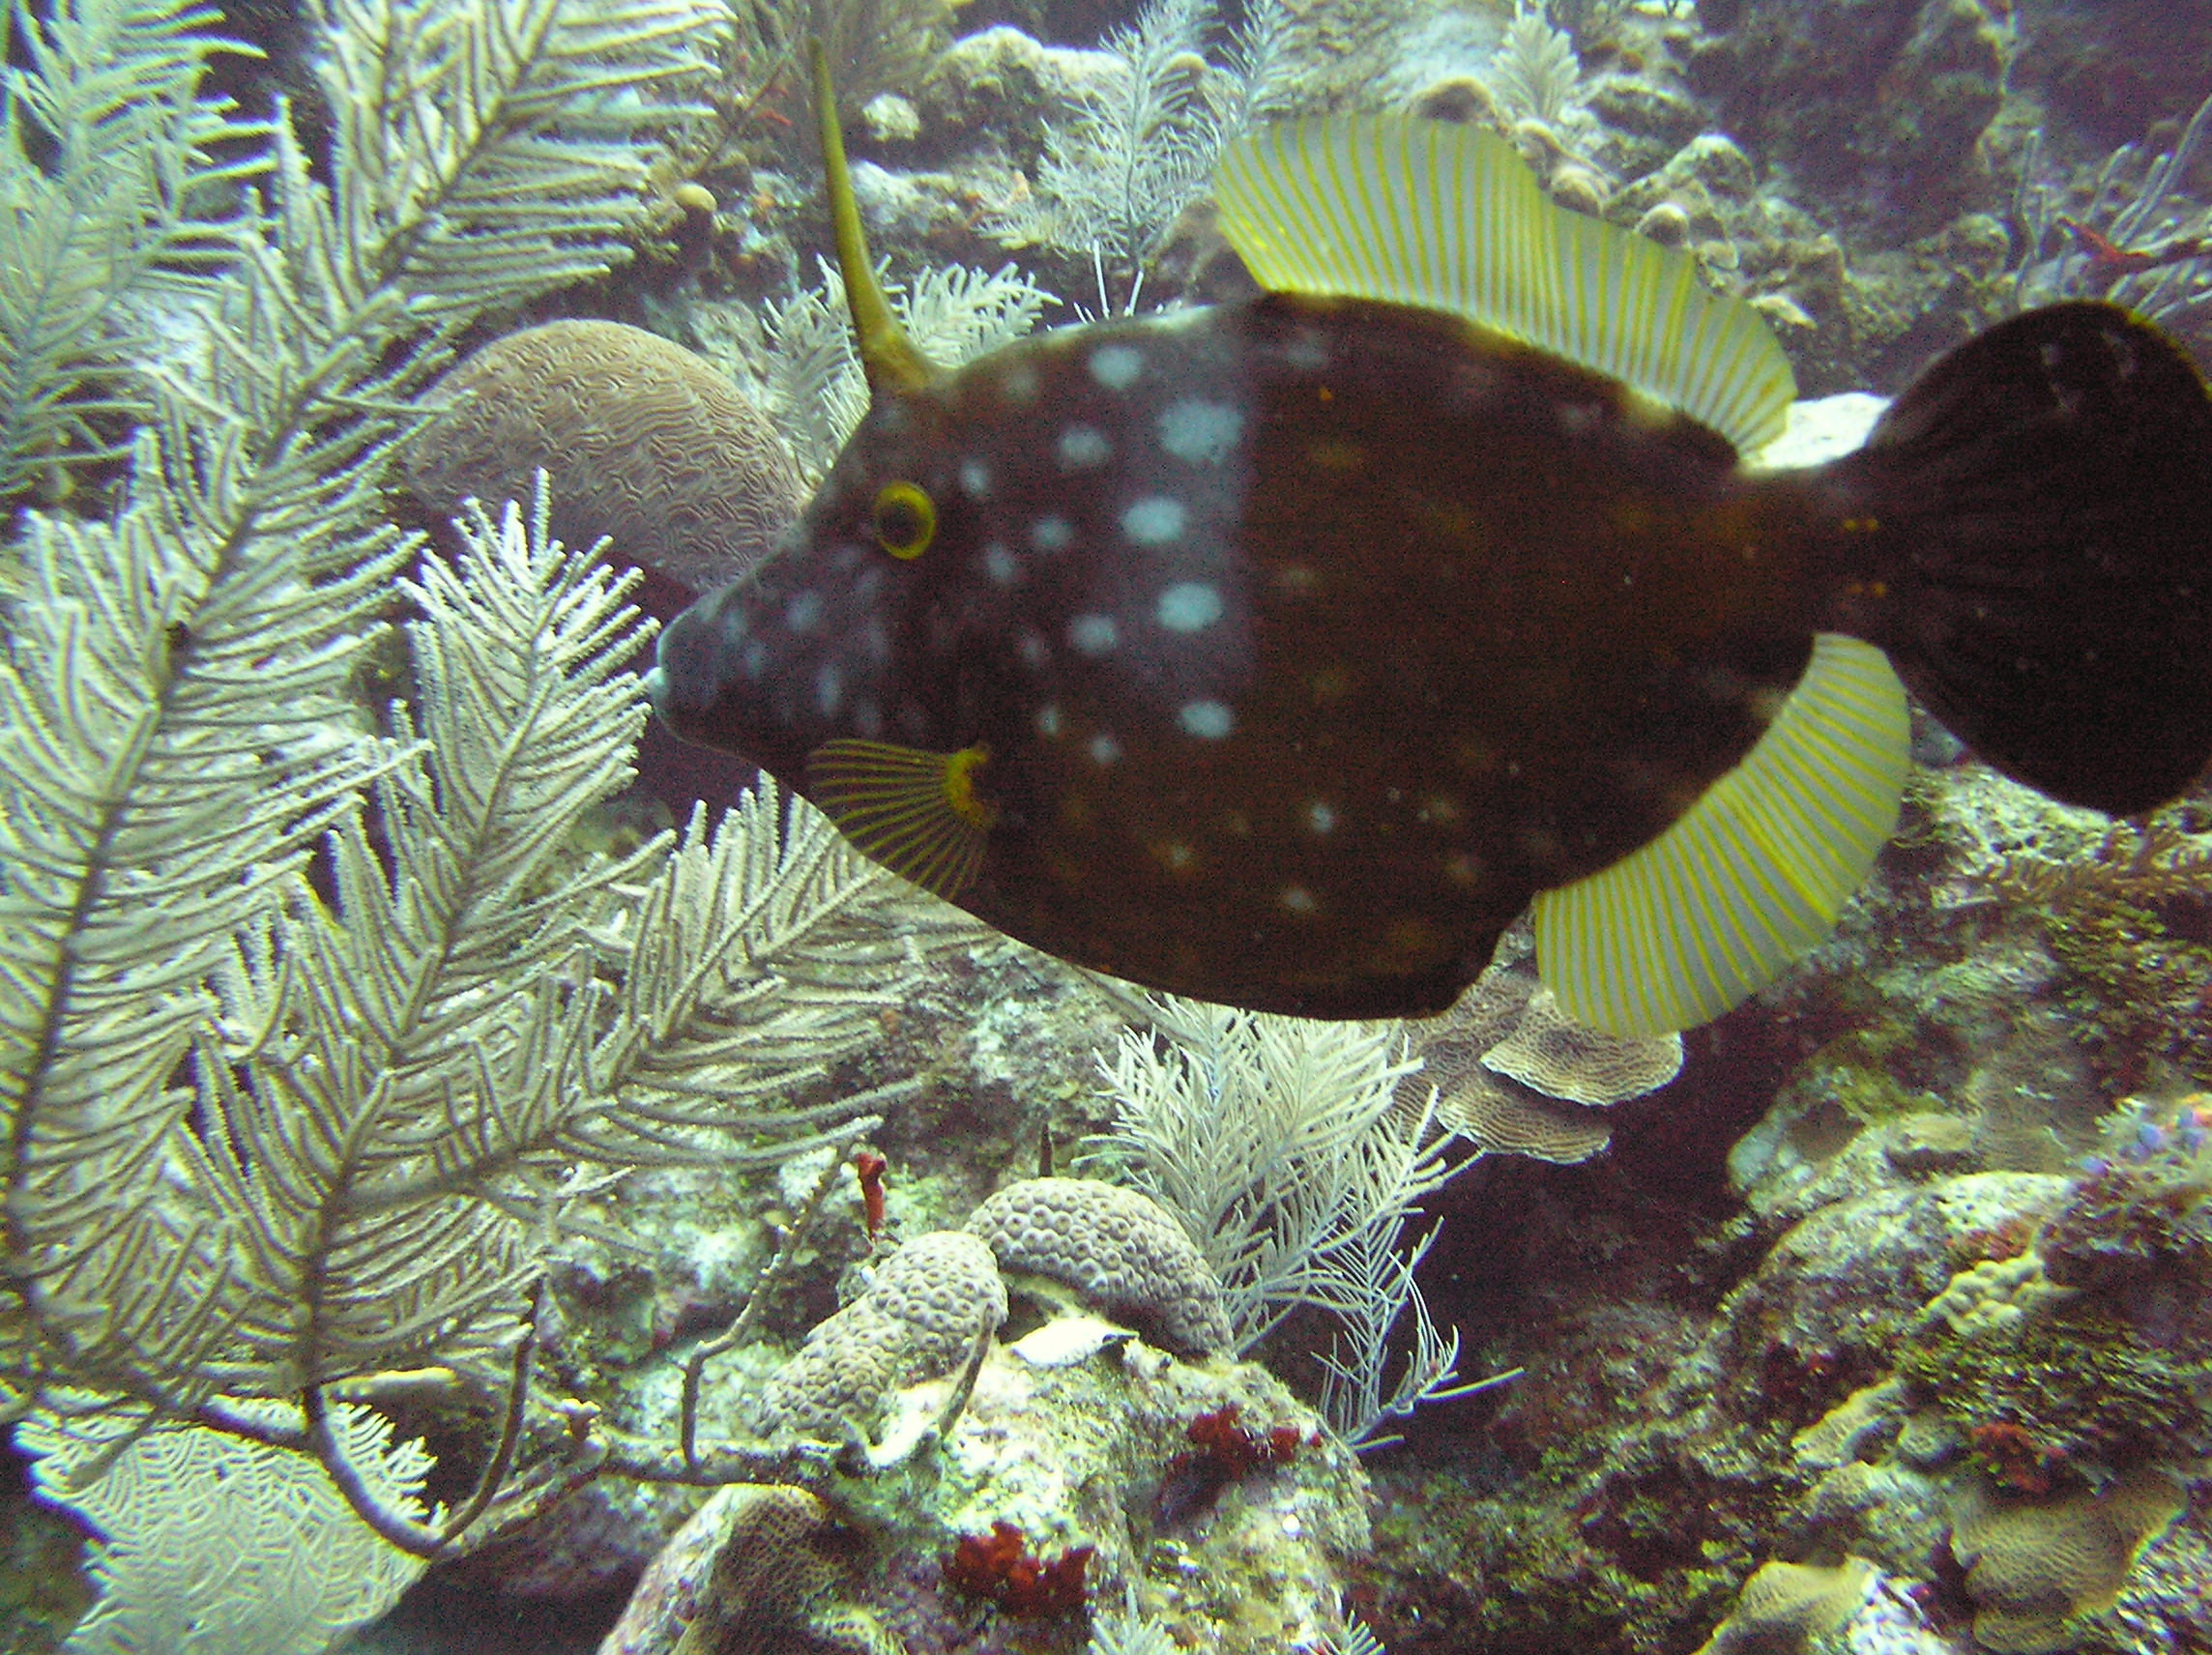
(925, 1308)
(1118, 1249)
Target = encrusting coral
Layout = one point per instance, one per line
(775, 1586)
(1516, 1077)
(1550, 1053)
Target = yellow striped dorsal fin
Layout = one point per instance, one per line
(1752, 874)
(1449, 218)
(915, 812)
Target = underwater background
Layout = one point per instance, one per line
(481, 1175)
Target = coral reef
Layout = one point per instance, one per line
(1043, 1495)
(1880, 1328)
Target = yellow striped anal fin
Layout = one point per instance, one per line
(1449, 218)
(1752, 874)
(915, 812)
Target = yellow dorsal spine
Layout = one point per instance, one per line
(893, 367)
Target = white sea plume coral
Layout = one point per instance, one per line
(173, 703)
(394, 1096)
(409, 1080)
(261, 1142)
(1278, 1143)
(1535, 73)
(1146, 132)
(815, 391)
(110, 181)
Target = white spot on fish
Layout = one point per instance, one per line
(732, 624)
(1000, 565)
(1117, 367)
(829, 688)
(755, 660)
(1189, 606)
(875, 642)
(1104, 749)
(1083, 446)
(846, 558)
(1052, 533)
(869, 583)
(1320, 817)
(1049, 722)
(1154, 520)
(1305, 352)
(1177, 857)
(1199, 432)
(1207, 720)
(975, 479)
(1019, 385)
(867, 719)
(803, 612)
(1297, 899)
(1033, 649)
(1093, 635)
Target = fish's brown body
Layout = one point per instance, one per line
(1485, 624)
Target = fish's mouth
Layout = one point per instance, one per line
(696, 689)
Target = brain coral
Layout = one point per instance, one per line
(2032, 1565)
(923, 1311)
(1120, 1249)
(643, 442)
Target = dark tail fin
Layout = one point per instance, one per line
(2047, 488)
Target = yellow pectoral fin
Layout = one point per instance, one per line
(919, 814)
(1749, 877)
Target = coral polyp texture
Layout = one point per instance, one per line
(924, 1309)
(645, 443)
(1119, 1250)
(781, 1564)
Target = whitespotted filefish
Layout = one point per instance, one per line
(1278, 653)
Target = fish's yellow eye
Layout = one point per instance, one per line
(904, 519)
